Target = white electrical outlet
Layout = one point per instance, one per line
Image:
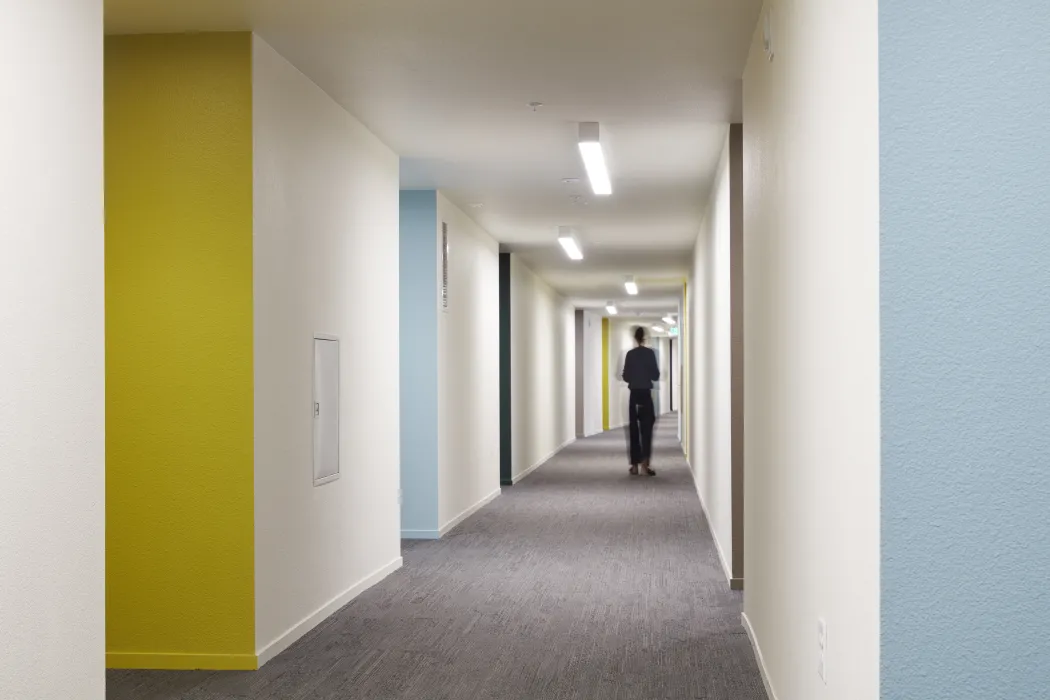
(822, 645)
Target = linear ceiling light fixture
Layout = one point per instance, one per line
(594, 158)
(569, 243)
(658, 329)
(669, 321)
(631, 286)
(611, 308)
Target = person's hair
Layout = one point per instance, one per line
(639, 334)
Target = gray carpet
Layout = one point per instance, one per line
(580, 582)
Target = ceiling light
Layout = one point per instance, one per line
(611, 308)
(569, 243)
(658, 329)
(594, 158)
(631, 286)
(476, 205)
(669, 321)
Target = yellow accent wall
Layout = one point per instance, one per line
(685, 350)
(179, 384)
(605, 374)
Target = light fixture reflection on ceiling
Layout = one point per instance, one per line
(594, 158)
(569, 243)
(631, 286)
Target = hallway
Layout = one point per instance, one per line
(579, 582)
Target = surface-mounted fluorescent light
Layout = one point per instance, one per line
(594, 159)
(631, 286)
(572, 248)
(611, 308)
(669, 321)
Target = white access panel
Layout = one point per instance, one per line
(326, 409)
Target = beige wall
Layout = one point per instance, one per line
(325, 248)
(52, 373)
(543, 369)
(468, 368)
(710, 328)
(811, 307)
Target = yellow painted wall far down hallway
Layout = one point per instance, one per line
(179, 388)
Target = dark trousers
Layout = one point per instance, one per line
(642, 417)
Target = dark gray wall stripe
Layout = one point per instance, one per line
(505, 464)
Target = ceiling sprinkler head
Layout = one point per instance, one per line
(571, 181)
(535, 105)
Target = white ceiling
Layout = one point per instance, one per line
(446, 84)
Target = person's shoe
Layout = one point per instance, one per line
(633, 471)
(649, 471)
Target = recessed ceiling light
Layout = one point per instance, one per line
(594, 159)
(658, 329)
(669, 321)
(631, 286)
(611, 308)
(569, 243)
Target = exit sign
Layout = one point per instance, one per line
(673, 331)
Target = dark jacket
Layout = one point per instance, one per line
(640, 369)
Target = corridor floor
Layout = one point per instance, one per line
(579, 583)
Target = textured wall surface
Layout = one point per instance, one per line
(326, 259)
(179, 469)
(593, 379)
(709, 322)
(965, 102)
(52, 393)
(468, 362)
(543, 365)
(811, 317)
(419, 361)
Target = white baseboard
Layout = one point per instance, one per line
(727, 569)
(296, 632)
(447, 527)
(544, 460)
(451, 524)
(763, 671)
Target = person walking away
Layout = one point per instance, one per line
(640, 370)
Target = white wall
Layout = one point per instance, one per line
(621, 341)
(662, 347)
(326, 260)
(811, 304)
(52, 373)
(592, 374)
(710, 345)
(543, 369)
(468, 362)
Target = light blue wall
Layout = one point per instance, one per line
(965, 168)
(419, 363)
